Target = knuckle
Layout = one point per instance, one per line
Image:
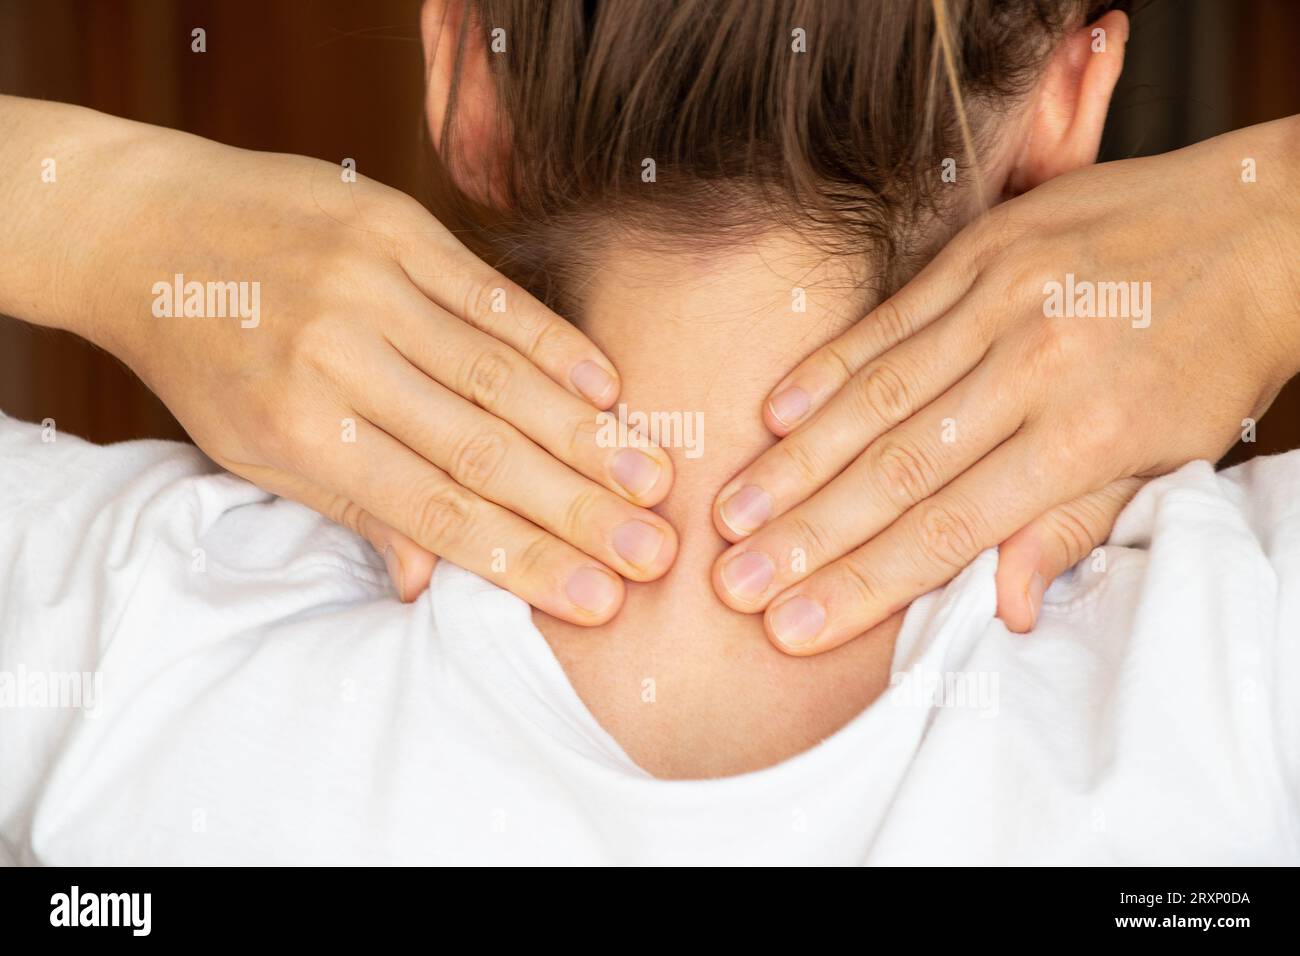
(820, 542)
(949, 536)
(836, 363)
(883, 395)
(1058, 344)
(1107, 425)
(985, 319)
(800, 456)
(987, 252)
(974, 250)
(442, 514)
(861, 582)
(479, 296)
(1096, 436)
(490, 300)
(891, 323)
(403, 208)
(533, 560)
(347, 513)
(905, 474)
(547, 336)
(1070, 532)
(487, 377)
(580, 514)
(1020, 275)
(583, 437)
(1113, 499)
(1023, 257)
(477, 461)
(389, 215)
(313, 343)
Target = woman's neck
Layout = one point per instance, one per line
(689, 687)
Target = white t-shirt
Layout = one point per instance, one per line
(256, 694)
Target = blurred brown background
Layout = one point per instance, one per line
(323, 78)
(331, 78)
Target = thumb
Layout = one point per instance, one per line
(409, 565)
(1034, 556)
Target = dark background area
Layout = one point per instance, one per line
(331, 78)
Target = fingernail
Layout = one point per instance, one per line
(1034, 597)
(798, 621)
(635, 471)
(394, 571)
(747, 575)
(592, 380)
(591, 589)
(747, 510)
(790, 405)
(639, 543)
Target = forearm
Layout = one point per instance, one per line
(67, 190)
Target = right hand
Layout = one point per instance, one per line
(474, 435)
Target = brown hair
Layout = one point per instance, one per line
(844, 141)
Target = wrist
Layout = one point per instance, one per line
(71, 213)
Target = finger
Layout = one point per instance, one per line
(887, 391)
(490, 458)
(926, 547)
(409, 566)
(902, 468)
(406, 492)
(934, 291)
(500, 380)
(473, 291)
(1032, 558)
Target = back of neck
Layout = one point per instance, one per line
(689, 687)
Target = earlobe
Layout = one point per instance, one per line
(1068, 113)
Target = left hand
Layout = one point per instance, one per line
(957, 416)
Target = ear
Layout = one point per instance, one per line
(475, 157)
(1068, 110)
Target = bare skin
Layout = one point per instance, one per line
(725, 700)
